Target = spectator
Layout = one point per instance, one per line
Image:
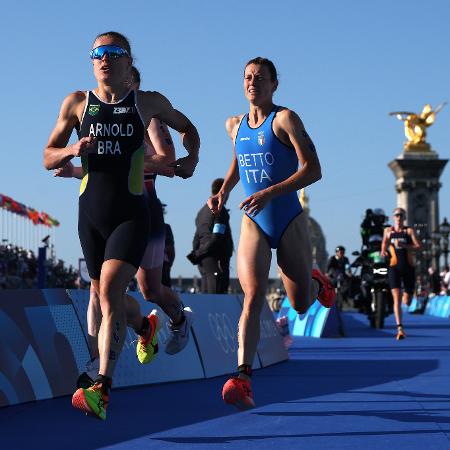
(18, 270)
(434, 281)
(213, 246)
(338, 271)
(445, 281)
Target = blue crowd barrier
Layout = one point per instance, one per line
(44, 346)
(439, 306)
(417, 305)
(215, 328)
(317, 322)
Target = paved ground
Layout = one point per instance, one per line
(364, 391)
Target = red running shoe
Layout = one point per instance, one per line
(238, 392)
(327, 294)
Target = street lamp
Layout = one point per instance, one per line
(426, 254)
(444, 230)
(436, 248)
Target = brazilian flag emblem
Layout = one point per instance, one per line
(94, 109)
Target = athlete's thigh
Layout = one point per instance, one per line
(154, 253)
(253, 258)
(294, 255)
(93, 245)
(409, 280)
(128, 241)
(149, 281)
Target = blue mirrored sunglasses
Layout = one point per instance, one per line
(113, 52)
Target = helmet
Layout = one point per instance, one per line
(379, 212)
(379, 217)
(340, 248)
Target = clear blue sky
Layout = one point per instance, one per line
(343, 67)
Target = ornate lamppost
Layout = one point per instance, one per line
(425, 256)
(435, 249)
(444, 231)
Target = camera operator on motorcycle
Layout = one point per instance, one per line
(374, 297)
(372, 225)
(399, 242)
(338, 271)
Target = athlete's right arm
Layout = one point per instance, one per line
(216, 202)
(57, 153)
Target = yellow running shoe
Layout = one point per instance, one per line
(92, 400)
(147, 348)
(400, 334)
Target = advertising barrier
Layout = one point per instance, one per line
(318, 321)
(215, 328)
(417, 305)
(438, 306)
(44, 346)
(271, 348)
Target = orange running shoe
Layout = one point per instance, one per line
(92, 401)
(238, 392)
(400, 333)
(327, 294)
(147, 348)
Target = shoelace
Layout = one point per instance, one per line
(101, 401)
(144, 341)
(247, 390)
(245, 387)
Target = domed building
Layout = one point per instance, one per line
(318, 242)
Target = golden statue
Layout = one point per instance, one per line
(415, 126)
(304, 199)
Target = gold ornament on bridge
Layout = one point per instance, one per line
(415, 127)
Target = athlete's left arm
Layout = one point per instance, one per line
(162, 109)
(289, 128)
(162, 143)
(416, 244)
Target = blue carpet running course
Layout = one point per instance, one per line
(364, 391)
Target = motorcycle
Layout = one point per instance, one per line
(375, 297)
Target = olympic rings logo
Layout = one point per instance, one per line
(223, 331)
(268, 329)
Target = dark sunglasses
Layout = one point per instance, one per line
(113, 52)
(398, 215)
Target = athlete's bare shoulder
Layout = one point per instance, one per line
(151, 103)
(73, 106)
(232, 125)
(287, 117)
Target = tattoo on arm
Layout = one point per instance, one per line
(166, 134)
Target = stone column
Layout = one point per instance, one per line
(417, 174)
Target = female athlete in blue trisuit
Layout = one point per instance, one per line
(269, 142)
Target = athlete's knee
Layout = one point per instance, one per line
(253, 303)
